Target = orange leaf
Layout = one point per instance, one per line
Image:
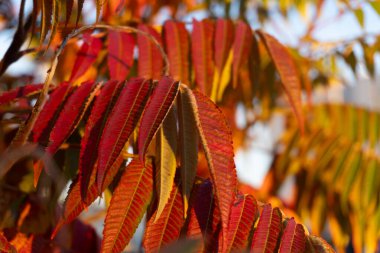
(244, 213)
(167, 228)
(293, 239)
(268, 230)
(202, 56)
(216, 138)
(288, 73)
(242, 49)
(224, 35)
(128, 205)
(150, 62)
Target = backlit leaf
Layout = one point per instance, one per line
(71, 114)
(288, 73)
(74, 205)
(293, 238)
(167, 228)
(93, 131)
(19, 92)
(268, 230)
(155, 112)
(86, 56)
(128, 205)
(241, 49)
(216, 139)
(202, 54)
(244, 213)
(166, 162)
(188, 146)
(120, 54)
(177, 47)
(150, 62)
(224, 36)
(49, 113)
(121, 123)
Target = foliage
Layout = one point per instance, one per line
(146, 114)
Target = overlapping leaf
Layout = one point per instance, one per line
(177, 47)
(19, 92)
(202, 56)
(216, 139)
(86, 56)
(120, 54)
(244, 213)
(47, 117)
(74, 204)
(268, 230)
(242, 49)
(288, 73)
(224, 36)
(150, 62)
(316, 244)
(166, 229)
(93, 131)
(166, 162)
(121, 123)
(71, 114)
(293, 238)
(128, 205)
(155, 112)
(188, 145)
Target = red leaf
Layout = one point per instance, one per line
(121, 123)
(177, 47)
(74, 204)
(155, 112)
(244, 213)
(293, 238)
(71, 114)
(47, 116)
(5, 246)
(224, 35)
(23, 91)
(288, 73)
(202, 48)
(168, 226)
(242, 48)
(93, 131)
(204, 216)
(268, 230)
(86, 56)
(120, 54)
(216, 138)
(128, 205)
(150, 62)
